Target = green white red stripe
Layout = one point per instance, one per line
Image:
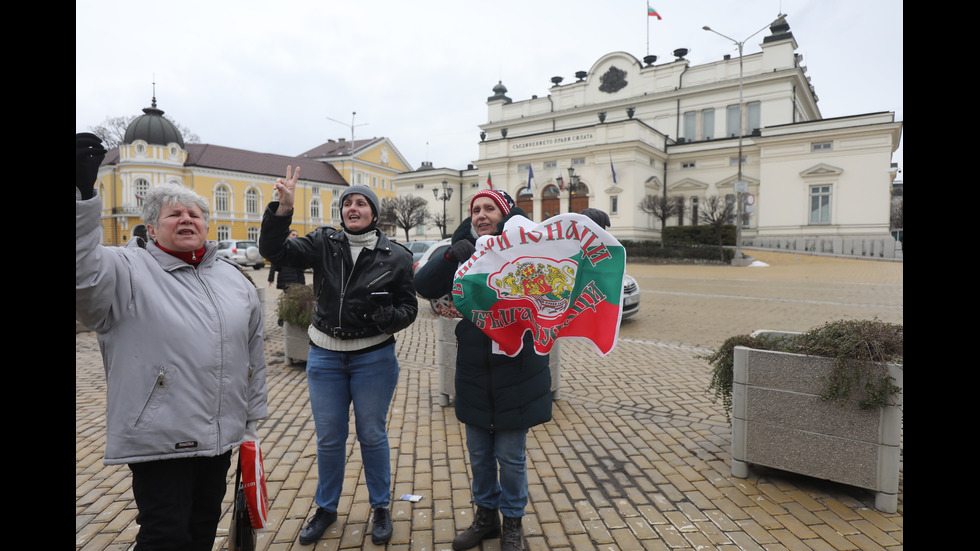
(557, 279)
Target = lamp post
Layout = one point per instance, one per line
(447, 192)
(572, 186)
(741, 187)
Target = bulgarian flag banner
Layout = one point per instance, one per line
(560, 278)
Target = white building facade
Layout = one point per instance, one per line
(627, 129)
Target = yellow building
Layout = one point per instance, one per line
(237, 183)
(372, 162)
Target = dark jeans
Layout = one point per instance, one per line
(179, 502)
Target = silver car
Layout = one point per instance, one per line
(241, 251)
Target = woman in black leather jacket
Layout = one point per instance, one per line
(365, 293)
(498, 398)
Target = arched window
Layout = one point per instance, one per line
(252, 201)
(222, 199)
(140, 188)
(315, 208)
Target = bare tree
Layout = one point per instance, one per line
(405, 212)
(662, 208)
(112, 131)
(717, 213)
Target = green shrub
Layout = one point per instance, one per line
(651, 251)
(295, 305)
(700, 235)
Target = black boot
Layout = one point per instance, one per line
(512, 538)
(486, 524)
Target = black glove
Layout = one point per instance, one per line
(383, 315)
(461, 251)
(597, 216)
(88, 156)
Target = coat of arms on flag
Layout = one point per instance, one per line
(560, 278)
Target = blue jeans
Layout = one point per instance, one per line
(499, 464)
(337, 379)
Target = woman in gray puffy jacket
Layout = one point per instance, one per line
(181, 338)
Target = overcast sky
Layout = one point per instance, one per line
(275, 76)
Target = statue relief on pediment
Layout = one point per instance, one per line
(613, 80)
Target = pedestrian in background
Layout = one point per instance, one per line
(498, 398)
(287, 276)
(180, 332)
(364, 293)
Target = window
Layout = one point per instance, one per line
(551, 164)
(224, 233)
(140, 188)
(690, 125)
(335, 210)
(221, 199)
(821, 146)
(753, 115)
(614, 204)
(580, 161)
(653, 161)
(688, 164)
(315, 208)
(733, 161)
(695, 210)
(252, 201)
(707, 124)
(730, 207)
(523, 168)
(820, 204)
(253, 233)
(374, 182)
(419, 186)
(733, 121)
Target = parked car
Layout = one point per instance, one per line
(631, 296)
(418, 248)
(242, 252)
(631, 291)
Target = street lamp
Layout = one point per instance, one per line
(447, 192)
(741, 187)
(572, 186)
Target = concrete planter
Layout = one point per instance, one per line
(296, 343)
(779, 421)
(446, 359)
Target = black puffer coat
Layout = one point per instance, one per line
(493, 391)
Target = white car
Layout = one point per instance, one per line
(243, 252)
(631, 291)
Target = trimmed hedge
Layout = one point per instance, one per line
(651, 251)
(703, 235)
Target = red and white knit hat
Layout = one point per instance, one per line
(501, 198)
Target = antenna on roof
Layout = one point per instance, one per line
(351, 126)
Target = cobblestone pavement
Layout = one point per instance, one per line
(636, 458)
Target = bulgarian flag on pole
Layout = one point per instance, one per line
(560, 278)
(653, 13)
(489, 181)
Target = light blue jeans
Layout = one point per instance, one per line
(499, 464)
(337, 379)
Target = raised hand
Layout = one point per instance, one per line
(287, 188)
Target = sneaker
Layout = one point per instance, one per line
(317, 525)
(381, 531)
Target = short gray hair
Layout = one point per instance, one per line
(170, 194)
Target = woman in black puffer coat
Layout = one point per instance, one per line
(498, 397)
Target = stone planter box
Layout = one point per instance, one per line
(296, 343)
(779, 421)
(446, 360)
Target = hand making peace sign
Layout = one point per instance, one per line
(286, 189)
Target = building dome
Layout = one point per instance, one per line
(153, 128)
